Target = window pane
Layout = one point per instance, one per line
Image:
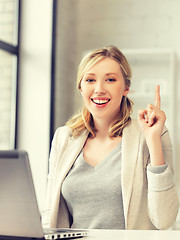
(8, 21)
(7, 100)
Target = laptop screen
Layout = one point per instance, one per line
(18, 206)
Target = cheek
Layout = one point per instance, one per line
(85, 91)
(84, 94)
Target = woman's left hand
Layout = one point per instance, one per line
(152, 119)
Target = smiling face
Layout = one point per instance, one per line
(102, 88)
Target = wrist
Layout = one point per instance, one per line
(155, 150)
(153, 140)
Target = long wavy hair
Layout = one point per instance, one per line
(84, 119)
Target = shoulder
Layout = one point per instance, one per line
(132, 128)
(132, 132)
(132, 137)
(64, 131)
(63, 135)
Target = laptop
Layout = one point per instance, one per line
(19, 213)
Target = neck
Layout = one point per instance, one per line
(102, 128)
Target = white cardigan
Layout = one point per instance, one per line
(150, 200)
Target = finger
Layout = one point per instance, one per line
(157, 97)
(149, 110)
(152, 118)
(142, 113)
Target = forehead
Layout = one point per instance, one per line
(105, 65)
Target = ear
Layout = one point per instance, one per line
(126, 91)
(81, 92)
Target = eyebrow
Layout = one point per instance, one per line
(89, 74)
(112, 74)
(107, 74)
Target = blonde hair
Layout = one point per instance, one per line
(84, 120)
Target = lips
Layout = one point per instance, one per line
(100, 101)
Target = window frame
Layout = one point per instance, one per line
(53, 71)
(14, 50)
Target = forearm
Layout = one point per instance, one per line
(156, 152)
(163, 203)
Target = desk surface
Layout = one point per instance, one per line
(133, 235)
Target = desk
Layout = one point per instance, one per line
(133, 235)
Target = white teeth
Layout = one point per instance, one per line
(100, 101)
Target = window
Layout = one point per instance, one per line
(9, 58)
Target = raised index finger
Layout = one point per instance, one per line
(157, 97)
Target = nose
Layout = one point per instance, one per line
(99, 88)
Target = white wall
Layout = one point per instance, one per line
(34, 88)
(65, 59)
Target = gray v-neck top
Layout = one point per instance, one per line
(93, 194)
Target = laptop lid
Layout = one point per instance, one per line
(19, 214)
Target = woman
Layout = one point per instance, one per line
(107, 170)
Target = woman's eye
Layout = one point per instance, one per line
(90, 80)
(111, 80)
